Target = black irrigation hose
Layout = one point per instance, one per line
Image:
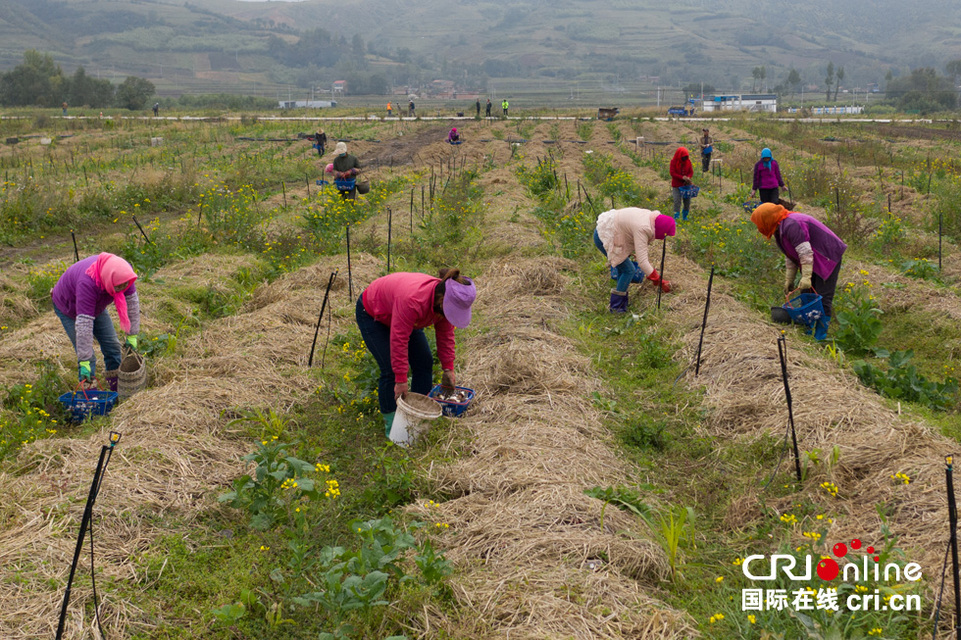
(142, 232)
(953, 541)
(937, 608)
(76, 253)
(323, 307)
(86, 523)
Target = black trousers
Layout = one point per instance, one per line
(826, 289)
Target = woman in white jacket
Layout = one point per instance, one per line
(621, 232)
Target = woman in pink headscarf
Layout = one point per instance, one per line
(80, 299)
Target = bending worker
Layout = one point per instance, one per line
(392, 314)
(621, 232)
(80, 299)
(809, 247)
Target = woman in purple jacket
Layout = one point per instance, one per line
(808, 246)
(80, 299)
(767, 178)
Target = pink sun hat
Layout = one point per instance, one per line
(458, 299)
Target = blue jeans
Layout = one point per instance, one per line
(376, 336)
(625, 270)
(105, 335)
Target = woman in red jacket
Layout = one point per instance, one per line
(392, 314)
(682, 171)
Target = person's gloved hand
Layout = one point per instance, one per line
(132, 341)
(447, 380)
(790, 271)
(665, 286)
(400, 389)
(85, 373)
(805, 283)
(655, 277)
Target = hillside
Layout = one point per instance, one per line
(226, 45)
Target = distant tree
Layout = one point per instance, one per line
(837, 85)
(953, 69)
(756, 74)
(763, 74)
(84, 90)
(829, 81)
(134, 92)
(923, 91)
(793, 79)
(37, 81)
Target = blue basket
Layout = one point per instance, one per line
(805, 309)
(94, 403)
(689, 190)
(751, 205)
(452, 409)
(345, 185)
(638, 274)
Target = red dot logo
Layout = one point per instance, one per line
(870, 549)
(877, 558)
(827, 569)
(840, 550)
(855, 544)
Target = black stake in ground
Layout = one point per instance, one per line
(782, 354)
(142, 232)
(323, 306)
(76, 253)
(412, 211)
(283, 185)
(707, 305)
(659, 288)
(105, 452)
(390, 225)
(953, 524)
(940, 229)
(350, 276)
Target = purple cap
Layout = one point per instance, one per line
(458, 299)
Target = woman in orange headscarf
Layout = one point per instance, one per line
(809, 246)
(682, 172)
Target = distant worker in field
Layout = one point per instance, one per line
(487, 109)
(452, 136)
(390, 109)
(621, 232)
(706, 142)
(767, 177)
(64, 107)
(682, 174)
(809, 247)
(80, 299)
(505, 105)
(392, 314)
(346, 167)
(477, 107)
(156, 109)
(410, 108)
(320, 142)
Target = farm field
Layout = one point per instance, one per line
(596, 488)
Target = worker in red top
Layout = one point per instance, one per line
(392, 314)
(682, 172)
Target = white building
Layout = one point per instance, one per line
(824, 111)
(741, 102)
(307, 104)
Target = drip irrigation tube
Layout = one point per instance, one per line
(106, 451)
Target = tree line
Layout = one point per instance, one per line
(39, 82)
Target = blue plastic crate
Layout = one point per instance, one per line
(452, 409)
(805, 309)
(81, 405)
(345, 185)
(751, 205)
(689, 190)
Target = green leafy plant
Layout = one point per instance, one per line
(902, 381)
(857, 318)
(278, 481)
(921, 268)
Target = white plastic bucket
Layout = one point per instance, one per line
(413, 409)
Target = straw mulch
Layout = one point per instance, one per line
(533, 558)
(175, 455)
(740, 371)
